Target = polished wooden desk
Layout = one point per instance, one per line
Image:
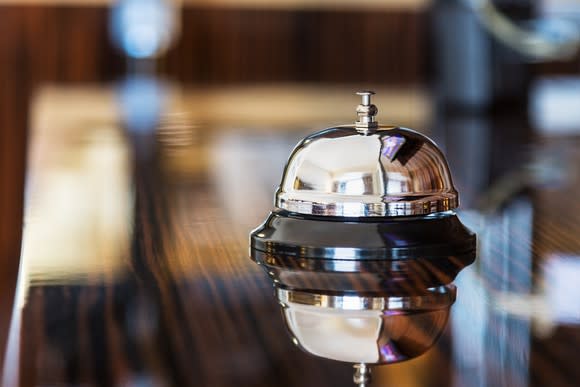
(135, 267)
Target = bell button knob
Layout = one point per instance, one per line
(366, 113)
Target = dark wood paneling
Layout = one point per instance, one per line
(253, 45)
(13, 123)
(568, 67)
(72, 44)
(63, 44)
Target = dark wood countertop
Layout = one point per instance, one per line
(135, 268)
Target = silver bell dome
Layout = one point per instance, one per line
(366, 170)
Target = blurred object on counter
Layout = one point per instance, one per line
(462, 55)
(473, 71)
(540, 39)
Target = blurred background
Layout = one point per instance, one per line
(495, 83)
(467, 56)
(473, 74)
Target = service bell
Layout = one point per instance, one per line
(364, 229)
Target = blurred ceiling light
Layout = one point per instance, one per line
(144, 29)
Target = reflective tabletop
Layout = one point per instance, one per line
(135, 267)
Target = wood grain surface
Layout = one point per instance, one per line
(68, 43)
(136, 272)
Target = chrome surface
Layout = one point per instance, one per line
(369, 330)
(362, 375)
(366, 113)
(435, 298)
(389, 172)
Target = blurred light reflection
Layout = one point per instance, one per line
(142, 100)
(78, 199)
(491, 346)
(561, 274)
(554, 106)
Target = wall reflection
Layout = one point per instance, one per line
(78, 199)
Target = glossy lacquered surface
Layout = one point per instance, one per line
(136, 271)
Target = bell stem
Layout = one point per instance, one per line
(362, 375)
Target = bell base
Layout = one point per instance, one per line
(341, 254)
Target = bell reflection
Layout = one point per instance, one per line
(365, 304)
(362, 313)
(380, 329)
